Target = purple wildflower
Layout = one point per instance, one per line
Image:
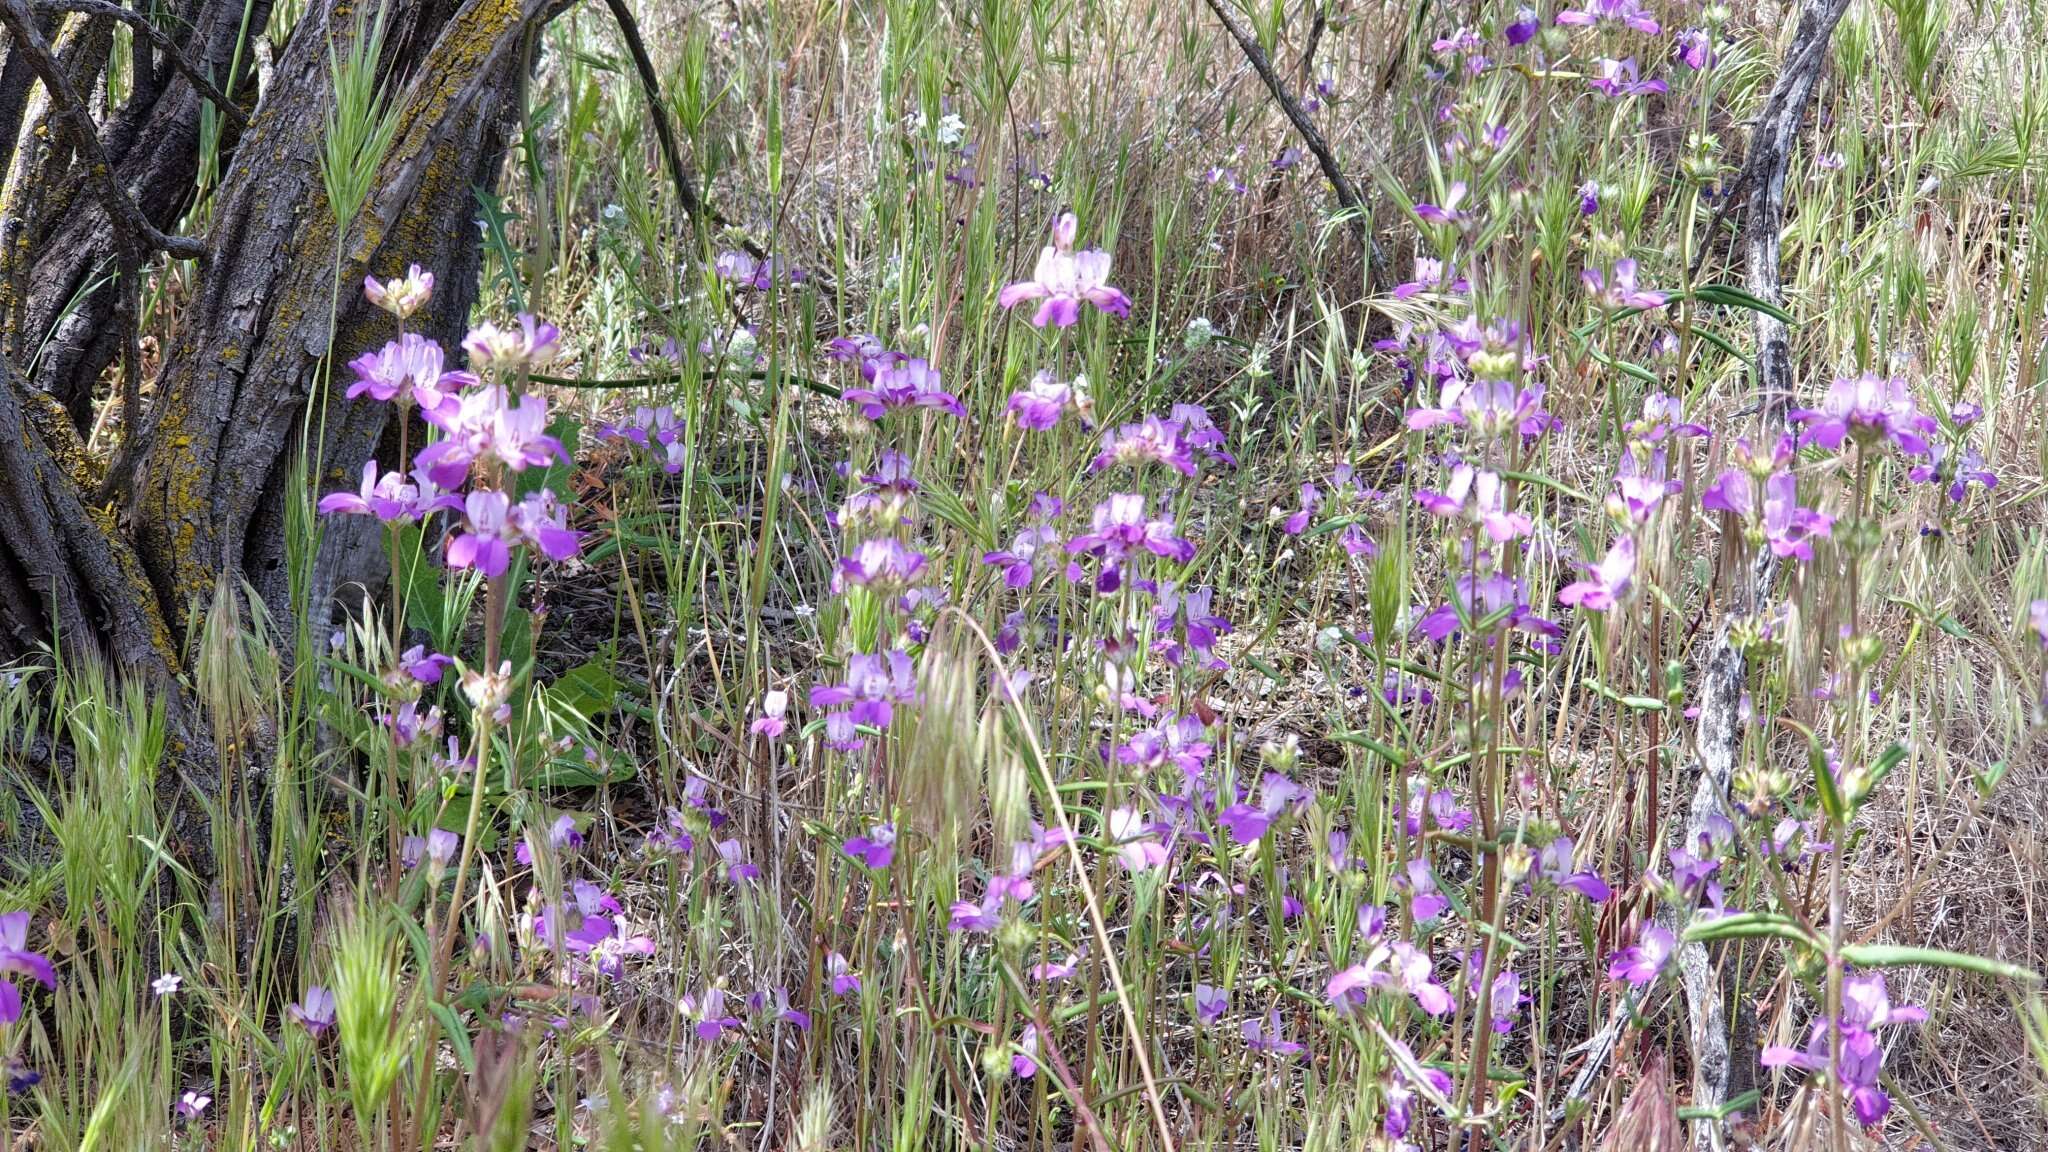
(1618, 78)
(1867, 409)
(1639, 963)
(315, 1010)
(1064, 279)
(909, 384)
(875, 850)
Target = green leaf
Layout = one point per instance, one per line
(458, 1036)
(1729, 296)
(1901, 955)
(589, 689)
(1823, 779)
(1885, 763)
(1748, 925)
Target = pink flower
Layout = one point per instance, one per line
(1608, 582)
(492, 525)
(1477, 496)
(401, 295)
(17, 960)
(1064, 279)
(409, 370)
(532, 344)
(487, 425)
(1040, 405)
(1625, 12)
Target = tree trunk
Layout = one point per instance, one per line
(244, 368)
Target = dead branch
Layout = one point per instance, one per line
(1360, 218)
(1723, 1065)
(164, 44)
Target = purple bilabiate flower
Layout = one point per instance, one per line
(1589, 198)
(1964, 469)
(1135, 840)
(1607, 582)
(534, 342)
(1024, 1061)
(1264, 1035)
(422, 665)
(401, 295)
(967, 916)
(1448, 212)
(1311, 499)
(771, 722)
(193, 1102)
(440, 847)
(709, 1014)
(1064, 279)
(1210, 1003)
(843, 979)
(315, 1010)
(1866, 1007)
(882, 562)
(492, 525)
(1497, 599)
(1019, 562)
(1401, 1092)
(389, 497)
(17, 960)
(408, 370)
(1867, 409)
(1399, 965)
(1663, 416)
(1626, 12)
(1522, 28)
(1693, 49)
(1429, 277)
(1187, 615)
(1618, 288)
(1489, 408)
(1441, 806)
(1198, 431)
(1055, 971)
(1121, 530)
(1277, 796)
(1641, 484)
(1478, 496)
(2037, 620)
(1150, 440)
(865, 349)
(487, 425)
(737, 868)
(875, 850)
(1424, 901)
(1617, 78)
(875, 683)
(908, 384)
(1041, 403)
(1555, 865)
(1639, 963)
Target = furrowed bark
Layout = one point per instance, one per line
(1724, 1065)
(153, 146)
(233, 399)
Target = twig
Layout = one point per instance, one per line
(1347, 193)
(165, 44)
(134, 235)
(694, 205)
(1719, 736)
(69, 109)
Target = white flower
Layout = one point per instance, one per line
(166, 984)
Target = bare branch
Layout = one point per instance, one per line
(128, 221)
(1721, 1063)
(694, 205)
(1347, 193)
(164, 44)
